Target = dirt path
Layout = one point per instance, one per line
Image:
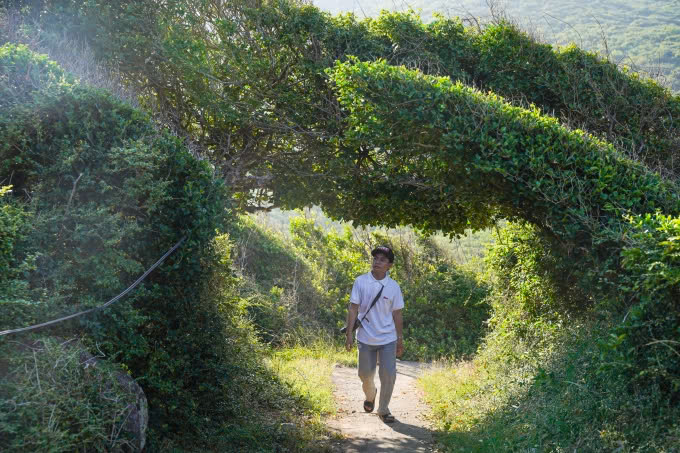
(365, 433)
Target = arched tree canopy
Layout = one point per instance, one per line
(444, 156)
(246, 82)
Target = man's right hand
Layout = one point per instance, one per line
(349, 341)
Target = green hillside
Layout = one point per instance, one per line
(643, 35)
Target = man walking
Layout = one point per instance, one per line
(377, 301)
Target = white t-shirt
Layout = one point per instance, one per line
(378, 327)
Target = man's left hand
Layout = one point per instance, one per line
(400, 347)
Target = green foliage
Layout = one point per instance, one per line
(307, 376)
(27, 75)
(256, 397)
(280, 287)
(641, 34)
(525, 269)
(16, 299)
(645, 345)
(583, 90)
(338, 258)
(247, 84)
(50, 401)
(444, 306)
(551, 397)
(108, 194)
(445, 310)
(14, 225)
(498, 160)
(378, 144)
(530, 297)
(541, 380)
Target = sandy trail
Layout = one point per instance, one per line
(365, 433)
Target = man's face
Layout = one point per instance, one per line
(381, 263)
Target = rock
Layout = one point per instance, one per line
(288, 427)
(112, 381)
(137, 413)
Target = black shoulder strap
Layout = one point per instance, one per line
(374, 301)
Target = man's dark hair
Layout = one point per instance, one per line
(384, 250)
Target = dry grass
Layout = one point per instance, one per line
(307, 370)
(72, 55)
(49, 401)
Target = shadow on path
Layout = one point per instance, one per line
(366, 433)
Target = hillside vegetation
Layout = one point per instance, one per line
(642, 35)
(105, 194)
(566, 339)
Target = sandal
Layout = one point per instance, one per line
(386, 418)
(369, 405)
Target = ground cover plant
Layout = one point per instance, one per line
(45, 381)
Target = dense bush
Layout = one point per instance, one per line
(276, 115)
(477, 158)
(297, 286)
(338, 258)
(550, 374)
(645, 346)
(108, 194)
(389, 146)
(280, 286)
(17, 305)
(524, 268)
(500, 160)
(584, 91)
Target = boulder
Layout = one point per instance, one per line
(137, 412)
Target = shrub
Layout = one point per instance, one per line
(646, 345)
(552, 375)
(338, 258)
(274, 105)
(582, 89)
(280, 286)
(485, 160)
(14, 262)
(108, 193)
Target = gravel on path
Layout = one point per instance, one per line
(366, 433)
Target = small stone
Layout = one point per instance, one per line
(287, 427)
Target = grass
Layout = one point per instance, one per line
(323, 349)
(49, 401)
(554, 397)
(307, 370)
(300, 384)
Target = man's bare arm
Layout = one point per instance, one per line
(352, 314)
